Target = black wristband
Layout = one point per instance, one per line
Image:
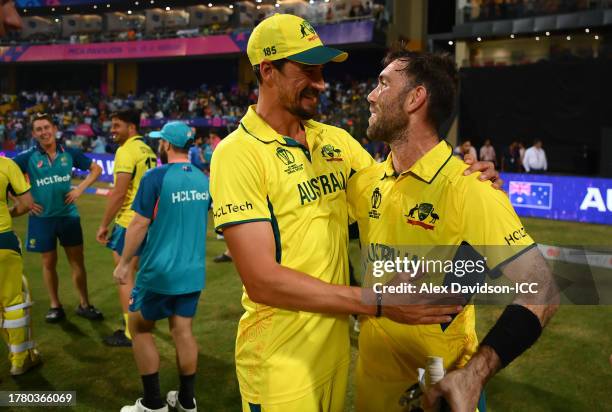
(514, 332)
(378, 305)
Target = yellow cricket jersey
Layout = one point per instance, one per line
(259, 175)
(11, 180)
(431, 204)
(134, 157)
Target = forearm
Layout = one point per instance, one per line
(93, 175)
(21, 204)
(18, 209)
(134, 236)
(534, 269)
(115, 200)
(289, 289)
(484, 364)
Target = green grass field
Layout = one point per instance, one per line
(568, 369)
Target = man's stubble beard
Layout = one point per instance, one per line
(388, 127)
(294, 107)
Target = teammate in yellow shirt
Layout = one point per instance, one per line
(419, 197)
(278, 185)
(133, 158)
(15, 302)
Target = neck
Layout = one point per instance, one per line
(278, 118)
(177, 158)
(413, 144)
(50, 148)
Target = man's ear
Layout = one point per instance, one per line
(266, 70)
(415, 98)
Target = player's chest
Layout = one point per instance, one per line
(408, 212)
(300, 176)
(43, 165)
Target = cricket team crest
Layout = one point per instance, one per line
(306, 29)
(331, 154)
(39, 164)
(376, 200)
(426, 215)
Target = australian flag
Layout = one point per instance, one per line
(530, 194)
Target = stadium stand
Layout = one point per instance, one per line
(344, 105)
(155, 22)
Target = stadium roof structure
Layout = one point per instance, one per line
(528, 26)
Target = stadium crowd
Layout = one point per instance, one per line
(84, 122)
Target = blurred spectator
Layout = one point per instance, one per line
(521, 149)
(535, 158)
(511, 159)
(487, 152)
(214, 139)
(207, 152)
(195, 153)
(464, 148)
(98, 145)
(343, 104)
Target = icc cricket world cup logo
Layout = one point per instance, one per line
(376, 198)
(285, 156)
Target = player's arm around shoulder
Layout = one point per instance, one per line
(358, 156)
(357, 191)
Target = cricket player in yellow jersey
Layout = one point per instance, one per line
(278, 185)
(133, 158)
(15, 302)
(419, 196)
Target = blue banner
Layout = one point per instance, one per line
(572, 198)
(578, 199)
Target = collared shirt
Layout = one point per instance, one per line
(51, 179)
(535, 159)
(134, 157)
(487, 153)
(175, 197)
(11, 181)
(259, 175)
(431, 204)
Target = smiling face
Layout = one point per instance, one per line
(44, 132)
(388, 117)
(121, 131)
(298, 87)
